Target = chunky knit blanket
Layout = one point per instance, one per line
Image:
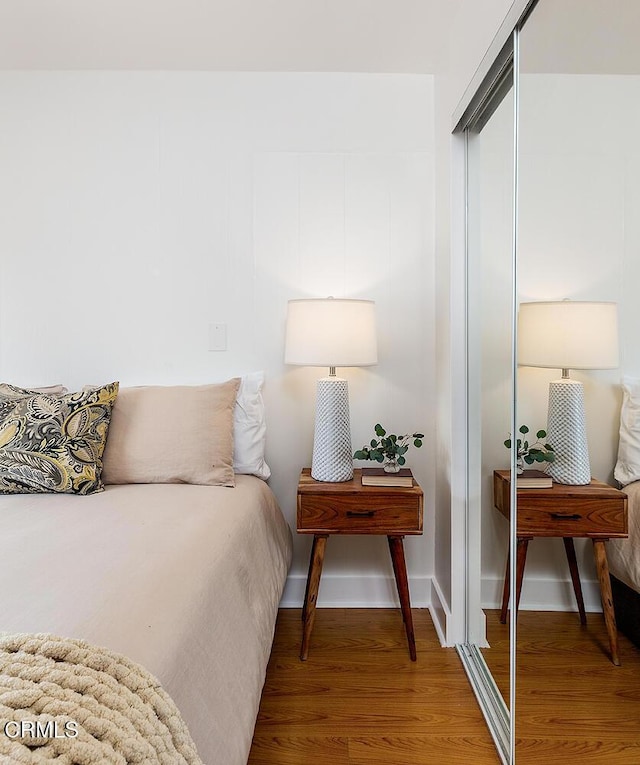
(72, 703)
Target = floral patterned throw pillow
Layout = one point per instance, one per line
(53, 443)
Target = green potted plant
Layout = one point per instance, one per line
(530, 453)
(389, 449)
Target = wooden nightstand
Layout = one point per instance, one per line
(596, 511)
(351, 508)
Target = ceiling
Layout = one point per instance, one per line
(582, 37)
(227, 35)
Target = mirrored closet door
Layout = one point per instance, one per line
(489, 132)
(578, 240)
(576, 236)
(489, 302)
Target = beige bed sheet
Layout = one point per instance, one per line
(183, 579)
(624, 554)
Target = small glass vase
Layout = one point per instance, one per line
(391, 465)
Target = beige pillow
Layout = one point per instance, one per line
(174, 434)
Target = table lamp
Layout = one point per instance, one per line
(331, 333)
(566, 335)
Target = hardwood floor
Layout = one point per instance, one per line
(572, 704)
(359, 698)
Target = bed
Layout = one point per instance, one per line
(181, 578)
(624, 567)
(624, 554)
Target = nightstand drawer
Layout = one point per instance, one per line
(594, 510)
(359, 515)
(587, 517)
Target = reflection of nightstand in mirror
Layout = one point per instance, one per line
(595, 511)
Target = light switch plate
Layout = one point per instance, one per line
(217, 337)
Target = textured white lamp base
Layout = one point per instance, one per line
(567, 433)
(332, 454)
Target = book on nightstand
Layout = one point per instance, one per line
(378, 477)
(534, 479)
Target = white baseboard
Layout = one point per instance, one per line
(375, 591)
(440, 613)
(544, 594)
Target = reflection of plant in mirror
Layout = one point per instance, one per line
(535, 452)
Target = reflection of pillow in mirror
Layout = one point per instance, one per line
(172, 434)
(55, 443)
(628, 465)
(249, 428)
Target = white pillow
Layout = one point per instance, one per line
(250, 428)
(628, 465)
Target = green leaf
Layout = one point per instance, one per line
(507, 443)
(380, 431)
(524, 429)
(373, 443)
(528, 459)
(401, 460)
(418, 435)
(417, 443)
(541, 434)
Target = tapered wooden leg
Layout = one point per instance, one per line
(311, 596)
(400, 570)
(523, 545)
(306, 592)
(602, 567)
(506, 591)
(575, 576)
(397, 576)
(521, 559)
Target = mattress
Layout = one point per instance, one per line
(624, 554)
(182, 579)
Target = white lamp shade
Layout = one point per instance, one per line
(568, 334)
(331, 333)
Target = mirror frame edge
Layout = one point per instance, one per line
(490, 79)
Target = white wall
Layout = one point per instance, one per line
(165, 189)
(139, 207)
(579, 238)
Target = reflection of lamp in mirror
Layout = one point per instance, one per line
(568, 335)
(331, 333)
